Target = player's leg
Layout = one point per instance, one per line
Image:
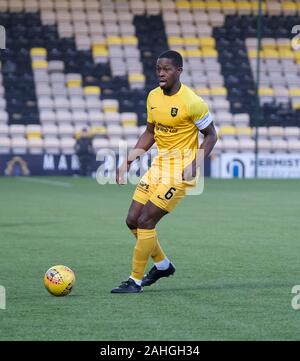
(147, 242)
(134, 212)
(81, 165)
(145, 215)
(166, 197)
(141, 196)
(143, 192)
(133, 215)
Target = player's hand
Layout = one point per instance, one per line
(120, 176)
(189, 172)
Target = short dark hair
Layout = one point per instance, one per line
(174, 56)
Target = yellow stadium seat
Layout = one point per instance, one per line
(296, 106)
(266, 92)
(182, 52)
(288, 5)
(175, 40)
(244, 131)
(99, 50)
(228, 5)
(252, 53)
(295, 92)
(191, 41)
(100, 130)
(193, 53)
(111, 108)
(270, 46)
(183, 4)
(209, 53)
(298, 61)
(213, 5)
(254, 5)
(270, 53)
(114, 40)
(34, 135)
(227, 131)
(99, 47)
(73, 83)
(129, 122)
(207, 42)
(130, 40)
(245, 5)
(91, 90)
(39, 64)
(286, 54)
(297, 54)
(282, 47)
(197, 4)
(218, 91)
(136, 77)
(38, 52)
(202, 91)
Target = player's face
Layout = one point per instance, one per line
(167, 73)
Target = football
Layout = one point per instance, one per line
(59, 280)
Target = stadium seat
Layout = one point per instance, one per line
(67, 145)
(230, 145)
(246, 145)
(35, 145)
(264, 145)
(19, 145)
(4, 130)
(293, 145)
(90, 63)
(5, 144)
(100, 143)
(279, 145)
(52, 145)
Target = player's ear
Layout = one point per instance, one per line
(180, 69)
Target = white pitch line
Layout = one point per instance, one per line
(46, 181)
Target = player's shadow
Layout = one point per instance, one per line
(214, 287)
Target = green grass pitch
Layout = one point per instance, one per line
(236, 249)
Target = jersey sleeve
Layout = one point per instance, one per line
(149, 112)
(200, 114)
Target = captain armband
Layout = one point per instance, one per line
(204, 122)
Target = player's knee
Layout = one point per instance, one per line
(131, 221)
(145, 222)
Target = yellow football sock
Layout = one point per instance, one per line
(146, 239)
(158, 254)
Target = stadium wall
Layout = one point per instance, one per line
(225, 165)
(242, 165)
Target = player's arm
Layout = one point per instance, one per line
(144, 143)
(203, 120)
(210, 139)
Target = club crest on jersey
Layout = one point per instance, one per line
(174, 112)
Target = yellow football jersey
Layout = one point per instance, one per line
(177, 119)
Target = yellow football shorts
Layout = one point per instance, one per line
(161, 189)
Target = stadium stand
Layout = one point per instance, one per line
(73, 64)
